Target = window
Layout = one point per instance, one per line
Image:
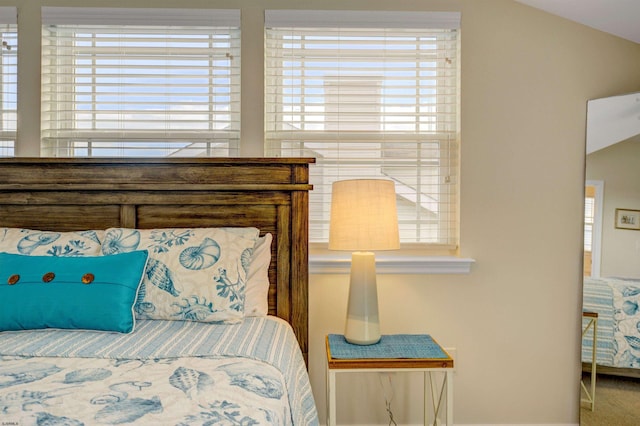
(593, 212)
(140, 82)
(8, 80)
(370, 95)
(589, 214)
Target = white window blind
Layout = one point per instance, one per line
(8, 80)
(589, 218)
(140, 82)
(370, 95)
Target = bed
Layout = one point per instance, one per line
(200, 365)
(616, 301)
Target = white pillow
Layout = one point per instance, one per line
(256, 302)
(32, 242)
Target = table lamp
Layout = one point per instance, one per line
(363, 219)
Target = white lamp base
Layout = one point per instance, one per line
(363, 324)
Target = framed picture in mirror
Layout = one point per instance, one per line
(628, 219)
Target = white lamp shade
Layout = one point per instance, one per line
(363, 215)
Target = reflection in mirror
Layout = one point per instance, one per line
(611, 292)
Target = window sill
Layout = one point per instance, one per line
(392, 264)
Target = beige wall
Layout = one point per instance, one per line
(526, 77)
(618, 166)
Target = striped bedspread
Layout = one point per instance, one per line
(598, 297)
(154, 343)
(617, 301)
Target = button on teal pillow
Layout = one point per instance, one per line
(86, 293)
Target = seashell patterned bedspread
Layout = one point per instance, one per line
(165, 373)
(617, 301)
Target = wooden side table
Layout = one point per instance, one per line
(398, 352)
(592, 324)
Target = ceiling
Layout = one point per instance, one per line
(617, 17)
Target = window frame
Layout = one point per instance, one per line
(74, 122)
(277, 23)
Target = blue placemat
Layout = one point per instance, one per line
(389, 346)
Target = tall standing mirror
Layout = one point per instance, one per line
(611, 301)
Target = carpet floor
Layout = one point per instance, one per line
(617, 402)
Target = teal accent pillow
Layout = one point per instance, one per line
(86, 293)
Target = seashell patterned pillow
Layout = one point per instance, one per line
(193, 274)
(32, 242)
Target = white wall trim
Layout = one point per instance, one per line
(392, 264)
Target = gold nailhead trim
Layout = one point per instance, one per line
(13, 279)
(48, 277)
(88, 278)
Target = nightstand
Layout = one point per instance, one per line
(396, 352)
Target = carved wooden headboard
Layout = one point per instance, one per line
(271, 194)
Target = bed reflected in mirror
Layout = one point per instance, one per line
(611, 290)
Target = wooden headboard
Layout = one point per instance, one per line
(64, 194)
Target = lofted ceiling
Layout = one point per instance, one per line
(618, 17)
(609, 120)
